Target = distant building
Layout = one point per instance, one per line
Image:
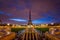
(54, 24)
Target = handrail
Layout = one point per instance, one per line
(8, 37)
(51, 36)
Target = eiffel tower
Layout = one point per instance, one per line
(29, 20)
(0, 21)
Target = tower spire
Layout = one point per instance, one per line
(29, 20)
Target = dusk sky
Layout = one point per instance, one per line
(42, 11)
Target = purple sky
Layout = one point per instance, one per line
(43, 11)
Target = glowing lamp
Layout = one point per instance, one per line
(8, 24)
(52, 23)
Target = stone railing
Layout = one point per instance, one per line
(8, 37)
(50, 37)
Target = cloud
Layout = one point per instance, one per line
(18, 20)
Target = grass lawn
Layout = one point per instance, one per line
(17, 29)
(43, 29)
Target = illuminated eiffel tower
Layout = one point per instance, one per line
(29, 20)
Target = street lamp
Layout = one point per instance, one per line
(52, 23)
(8, 24)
